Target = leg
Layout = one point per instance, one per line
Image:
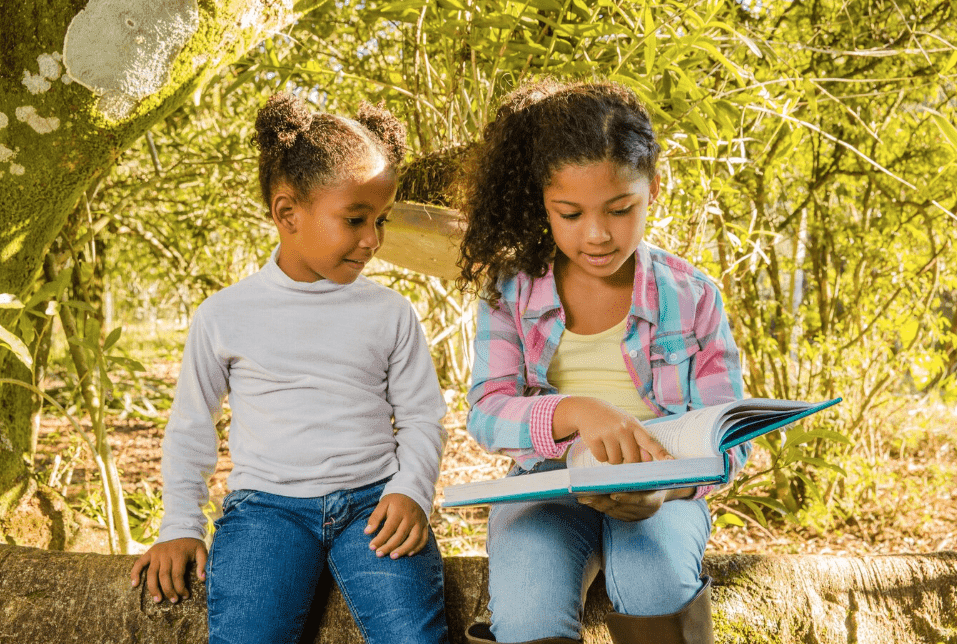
(542, 558)
(652, 570)
(652, 567)
(393, 601)
(262, 570)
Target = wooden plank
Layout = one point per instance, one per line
(423, 239)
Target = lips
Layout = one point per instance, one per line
(599, 260)
(357, 263)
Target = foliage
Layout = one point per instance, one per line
(809, 152)
(837, 266)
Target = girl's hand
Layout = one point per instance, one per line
(165, 564)
(612, 435)
(633, 506)
(406, 528)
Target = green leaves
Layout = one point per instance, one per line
(16, 346)
(946, 127)
(10, 341)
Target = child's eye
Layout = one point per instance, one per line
(355, 221)
(570, 215)
(623, 211)
(382, 221)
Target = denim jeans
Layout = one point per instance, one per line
(543, 556)
(268, 552)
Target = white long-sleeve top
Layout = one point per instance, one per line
(330, 386)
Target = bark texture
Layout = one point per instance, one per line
(49, 597)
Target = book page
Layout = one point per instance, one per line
(688, 435)
(700, 432)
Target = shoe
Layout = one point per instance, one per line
(481, 634)
(690, 625)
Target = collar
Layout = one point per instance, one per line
(274, 275)
(543, 297)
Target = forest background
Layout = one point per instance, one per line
(809, 163)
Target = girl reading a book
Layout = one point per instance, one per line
(584, 330)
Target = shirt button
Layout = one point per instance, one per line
(633, 353)
(673, 358)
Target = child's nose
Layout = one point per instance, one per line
(371, 237)
(597, 230)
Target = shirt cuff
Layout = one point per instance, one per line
(540, 427)
(702, 491)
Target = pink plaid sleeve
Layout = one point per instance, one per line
(540, 430)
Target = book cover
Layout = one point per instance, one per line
(699, 440)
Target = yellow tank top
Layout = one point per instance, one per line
(592, 365)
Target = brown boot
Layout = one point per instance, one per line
(690, 625)
(482, 634)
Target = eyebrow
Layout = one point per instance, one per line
(572, 203)
(362, 206)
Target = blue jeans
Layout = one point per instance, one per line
(543, 556)
(268, 552)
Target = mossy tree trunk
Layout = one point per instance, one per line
(80, 80)
(51, 597)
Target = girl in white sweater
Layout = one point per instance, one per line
(335, 435)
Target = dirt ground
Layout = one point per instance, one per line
(913, 506)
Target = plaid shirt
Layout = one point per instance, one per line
(678, 349)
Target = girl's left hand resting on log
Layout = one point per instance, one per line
(405, 530)
(165, 564)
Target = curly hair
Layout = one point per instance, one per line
(309, 150)
(538, 129)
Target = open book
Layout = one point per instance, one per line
(699, 440)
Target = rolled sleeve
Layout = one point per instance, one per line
(540, 427)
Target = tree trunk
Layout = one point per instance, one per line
(51, 597)
(80, 80)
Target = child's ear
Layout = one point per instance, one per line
(284, 210)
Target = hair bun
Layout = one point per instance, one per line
(386, 127)
(281, 120)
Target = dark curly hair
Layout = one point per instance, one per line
(539, 128)
(309, 150)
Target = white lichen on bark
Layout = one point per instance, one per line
(35, 83)
(28, 114)
(49, 66)
(122, 50)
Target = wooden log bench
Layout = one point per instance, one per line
(49, 597)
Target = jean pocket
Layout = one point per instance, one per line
(235, 498)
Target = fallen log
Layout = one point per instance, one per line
(51, 597)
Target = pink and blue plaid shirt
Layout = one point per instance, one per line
(678, 349)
